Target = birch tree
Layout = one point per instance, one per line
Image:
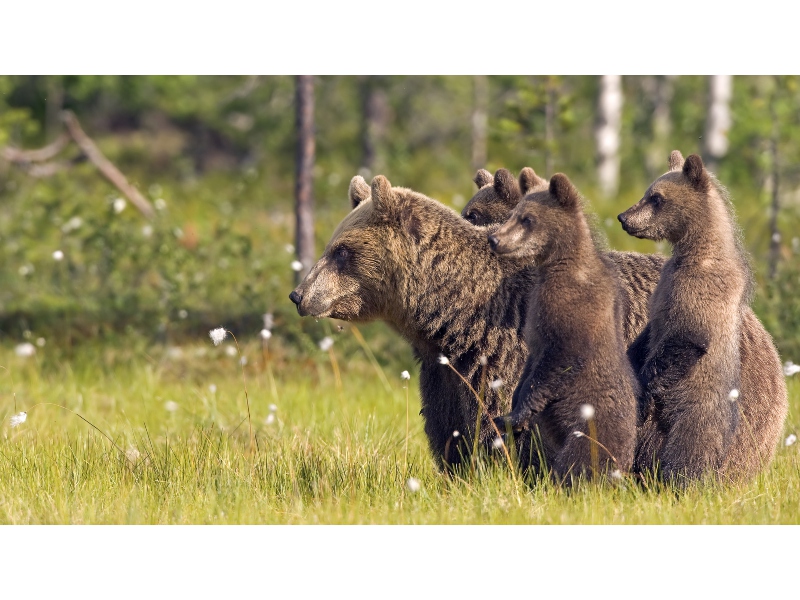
(607, 133)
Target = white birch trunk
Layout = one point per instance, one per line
(607, 133)
(718, 121)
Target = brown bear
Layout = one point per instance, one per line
(689, 356)
(406, 259)
(763, 390)
(577, 368)
(498, 195)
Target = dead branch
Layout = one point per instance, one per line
(18, 156)
(105, 166)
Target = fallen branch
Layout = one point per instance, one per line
(17, 156)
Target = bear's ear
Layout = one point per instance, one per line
(505, 186)
(359, 191)
(563, 191)
(675, 160)
(482, 178)
(381, 191)
(528, 179)
(695, 172)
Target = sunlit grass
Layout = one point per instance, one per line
(326, 456)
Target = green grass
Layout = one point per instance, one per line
(330, 455)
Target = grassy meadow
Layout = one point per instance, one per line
(169, 442)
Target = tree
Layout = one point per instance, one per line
(718, 122)
(607, 133)
(303, 190)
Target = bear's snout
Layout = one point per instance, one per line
(493, 241)
(296, 297)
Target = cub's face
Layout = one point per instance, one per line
(486, 208)
(346, 282)
(529, 231)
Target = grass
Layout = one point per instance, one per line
(330, 455)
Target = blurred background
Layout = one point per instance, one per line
(146, 210)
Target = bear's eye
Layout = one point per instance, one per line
(341, 255)
(527, 221)
(471, 217)
(657, 199)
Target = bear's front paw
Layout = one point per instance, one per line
(514, 421)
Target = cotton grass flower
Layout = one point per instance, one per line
(58, 255)
(496, 384)
(212, 388)
(119, 205)
(405, 375)
(456, 433)
(25, 350)
(171, 406)
(443, 360)
(132, 454)
(18, 419)
(587, 412)
(217, 335)
(733, 395)
(41, 342)
(160, 204)
(578, 434)
(789, 441)
(269, 321)
(497, 443)
(273, 408)
(230, 351)
(616, 474)
(270, 419)
(182, 313)
(413, 485)
(265, 334)
(326, 343)
(297, 266)
(789, 368)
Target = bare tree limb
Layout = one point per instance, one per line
(105, 166)
(18, 156)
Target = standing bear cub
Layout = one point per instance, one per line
(688, 356)
(577, 369)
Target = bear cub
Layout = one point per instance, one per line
(577, 377)
(688, 356)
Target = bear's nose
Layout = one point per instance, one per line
(493, 241)
(296, 297)
(622, 218)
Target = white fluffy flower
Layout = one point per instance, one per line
(498, 442)
(273, 408)
(495, 384)
(443, 360)
(270, 419)
(160, 204)
(41, 342)
(58, 255)
(297, 266)
(616, 474)
(147, 230)
(25, 350)
(289, 248)
(577, 434)
(132, 454)
(790, 439)
(217, 335)
(733, 395)
(265, 334)
(183, 313)
(231, 351)
(171, 406)
(119, 205)
(789, 368)
(19, 418)
(326, 343)
(413, 484)
(456, 433)
(587, 412)
(405, 375)
(212, 388)
(483, 360)
(269, 321)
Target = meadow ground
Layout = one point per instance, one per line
(172, 445)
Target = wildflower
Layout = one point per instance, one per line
(297, 266)
(19, 418)
(72, 224)
(270, 419)
(265, 334)
(160, 204)
(443, 360)
(405, 375)
(273, 408)
(789, 368)
(413, 484)
(587, 412)
(182, 314)
(41, 342)
(326, 343)
(456, 433)
(790, 439)
(58, 255)
(483, 360)
(217, 335)
(616, 474)
(25, 270)
(147, 230)
(776, 237)
(577, 434)
(171, 406)
(269, 322)
(733, 395)
(289, 248)
(230, 351)
(496, 384)
(212, 388)
(498, 442)
(25, 350)
(119, 205)
(132, 454)
(243, 361)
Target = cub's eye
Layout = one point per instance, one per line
(527, 221)
(471, 217)
(657, 199)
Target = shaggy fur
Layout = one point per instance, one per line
(403, 258)
(689, 357)
(574, 333)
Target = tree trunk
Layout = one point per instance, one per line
(549, 126)
(718, 122)
(303, 189)
(376, 118)
(661, 91)
(775, 235)
(480, 120)
(607, 133)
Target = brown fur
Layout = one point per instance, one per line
(574, 333)
(403, 258)
(498, 195)
(690, 355)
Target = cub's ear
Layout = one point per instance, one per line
(696, 173)
(529, 180)
(482, 178)
(675, 160)
(381, 192)
(505, 186)
(359, 191)
(564, 192)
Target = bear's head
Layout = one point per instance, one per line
(542, 224)
(364, 259)
(672, 203)
(497, 196)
